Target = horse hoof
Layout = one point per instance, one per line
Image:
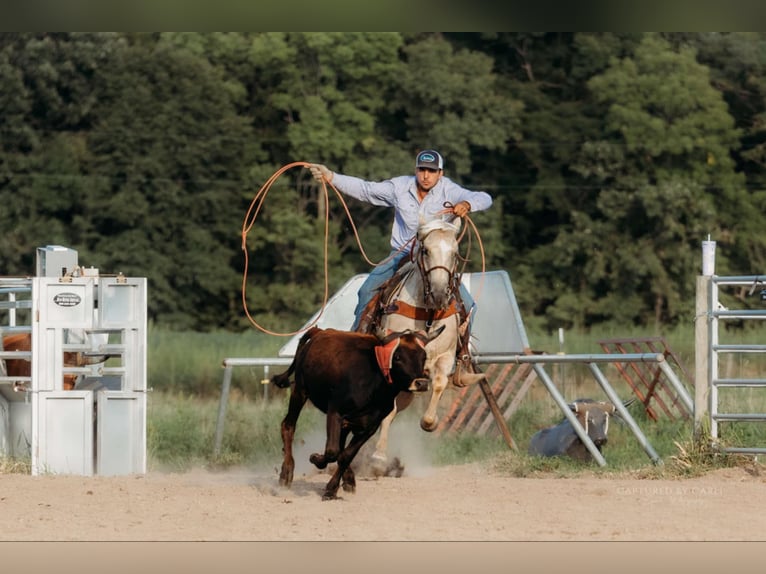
(396, 468)
(428, 427)
(378, 465)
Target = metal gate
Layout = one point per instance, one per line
(15, 407)
(711, 405)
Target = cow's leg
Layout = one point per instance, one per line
(380, 456)
(333, 445)
(443, 365)
(344, 462)
(297, 400)
(348, 478)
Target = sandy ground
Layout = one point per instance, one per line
(458, 503)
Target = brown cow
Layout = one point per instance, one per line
(23, 367)
(341, 374)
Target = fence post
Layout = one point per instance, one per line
(222, 411)
(702, 354)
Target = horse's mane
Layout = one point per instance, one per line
(427, 227)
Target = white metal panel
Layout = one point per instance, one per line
(122, 302)
(64, 442)
(497, 326)
(121, 436)
(58, 307)
(65, 304)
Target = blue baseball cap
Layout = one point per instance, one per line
(429, 158)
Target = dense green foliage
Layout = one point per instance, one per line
(610, 157)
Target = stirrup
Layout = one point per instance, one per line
(468, 364)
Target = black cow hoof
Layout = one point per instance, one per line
(318, 461)
(329, 496)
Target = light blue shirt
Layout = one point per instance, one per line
(401, 193)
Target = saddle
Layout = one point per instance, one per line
(383, 302)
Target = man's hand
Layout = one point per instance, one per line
(461, 209)
(320, 172)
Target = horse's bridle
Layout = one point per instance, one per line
(426, 274)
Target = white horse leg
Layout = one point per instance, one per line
(379, 457)
(439, 380)
(430, 419)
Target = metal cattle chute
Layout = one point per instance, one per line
(98, 425)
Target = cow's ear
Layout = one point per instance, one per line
(573, 407)
(385, 335)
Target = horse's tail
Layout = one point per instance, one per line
(283, 379)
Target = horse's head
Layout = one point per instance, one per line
(437, 257)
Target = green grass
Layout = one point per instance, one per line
(192, 363)
(181, 435)
(185, 372)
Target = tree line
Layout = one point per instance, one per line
(610, 157)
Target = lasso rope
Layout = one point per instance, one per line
(254, 209)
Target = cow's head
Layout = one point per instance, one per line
(406, 366)
(594, 417)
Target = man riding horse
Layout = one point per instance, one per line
(416, 199)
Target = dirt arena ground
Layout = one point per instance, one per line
(458, 503)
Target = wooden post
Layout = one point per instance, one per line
(485, 388)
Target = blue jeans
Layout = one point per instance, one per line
(382, 273)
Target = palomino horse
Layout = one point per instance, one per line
(425, 299)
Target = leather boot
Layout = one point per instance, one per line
(467, 372)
